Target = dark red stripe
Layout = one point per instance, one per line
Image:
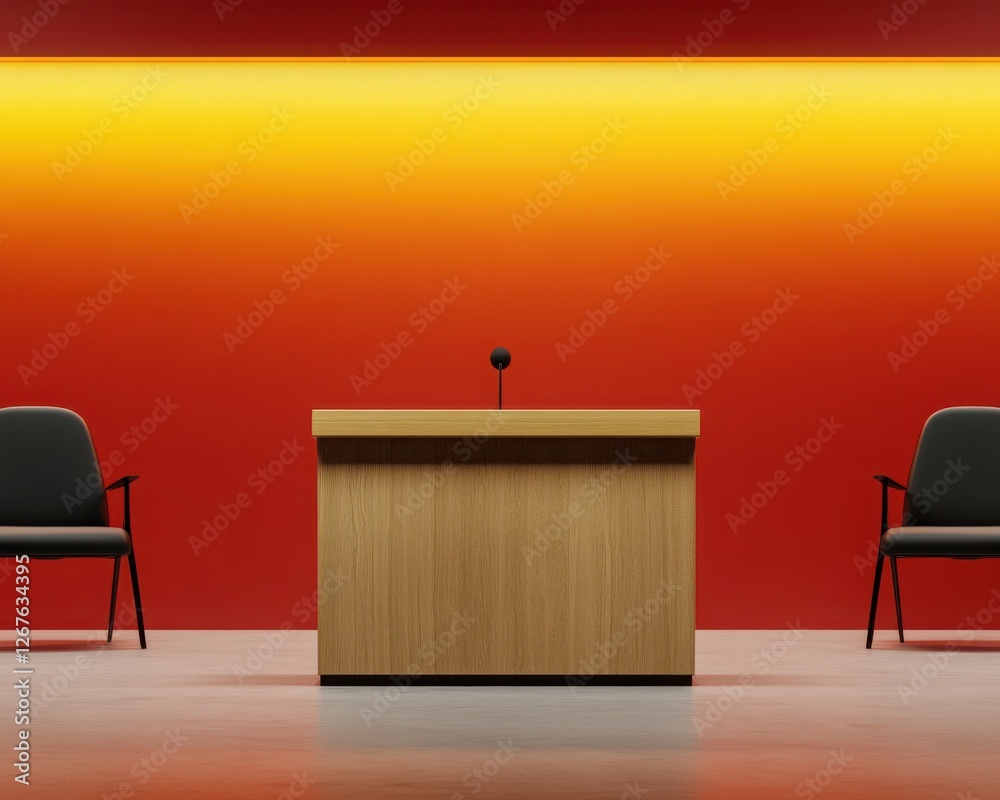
(508, 28)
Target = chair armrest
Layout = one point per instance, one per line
(887, 481)
(123, 483)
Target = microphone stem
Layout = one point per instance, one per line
(500, 391)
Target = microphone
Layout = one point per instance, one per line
(500, 359)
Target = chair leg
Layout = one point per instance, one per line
(138, 600)
(871, 614)
(114, 598)
(895, 591)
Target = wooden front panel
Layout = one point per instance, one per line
(515, 556)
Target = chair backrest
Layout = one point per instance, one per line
(49, 472)
(955, 475)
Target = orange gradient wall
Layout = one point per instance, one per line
(196, 254)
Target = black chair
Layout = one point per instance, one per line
(52, 496)
(951, 506)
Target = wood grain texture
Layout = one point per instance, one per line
(507, 556)
(531, 422)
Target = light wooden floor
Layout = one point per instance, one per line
(769, 713)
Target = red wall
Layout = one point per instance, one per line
(801, 558)
(517, 27)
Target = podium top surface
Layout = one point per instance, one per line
(681, 423)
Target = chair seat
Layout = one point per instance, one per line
(949, 542)
(56, 541)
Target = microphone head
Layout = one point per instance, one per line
(500, 358)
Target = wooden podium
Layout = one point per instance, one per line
(507, 546)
